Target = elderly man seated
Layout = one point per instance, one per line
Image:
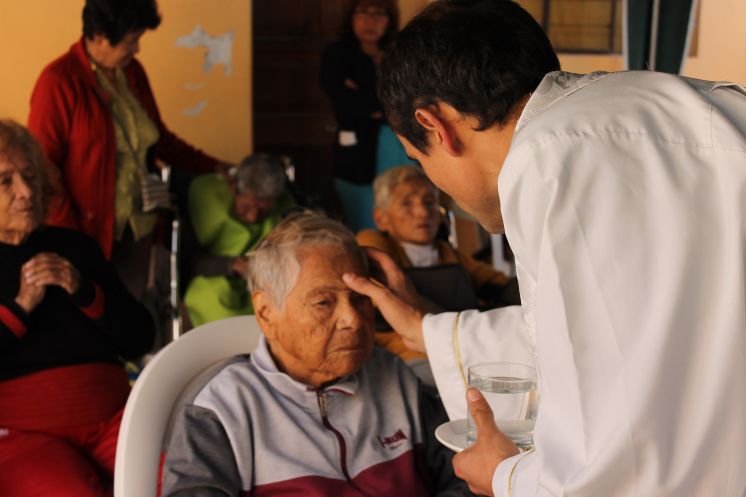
(315, 410)
(230, 217)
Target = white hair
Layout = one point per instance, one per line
(262, 175)
(274, 265)
(385, 184)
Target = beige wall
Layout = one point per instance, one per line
(722, 42)
(36, 31)
(721, 53)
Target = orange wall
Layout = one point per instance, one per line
(224, 126)
(36, 31)
(33, 32)
(721, 53)
(588, 63)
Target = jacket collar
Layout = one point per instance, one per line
(83, 61)
(85, 69)
(555, 86)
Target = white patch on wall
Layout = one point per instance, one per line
(219, 48)
(196, 110)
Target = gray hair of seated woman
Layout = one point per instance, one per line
(385, 184)
(275, 264)
(262, 175)
(17, 139)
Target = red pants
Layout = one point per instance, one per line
(58, 432)
(78, 463)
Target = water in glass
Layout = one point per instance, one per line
(514, 404)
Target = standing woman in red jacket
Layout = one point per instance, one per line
(94, 113)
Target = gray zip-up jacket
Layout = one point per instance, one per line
(250, 429)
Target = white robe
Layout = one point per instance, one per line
(624, 200)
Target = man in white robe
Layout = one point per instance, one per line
(623, 197)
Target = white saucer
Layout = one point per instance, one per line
(452, 434)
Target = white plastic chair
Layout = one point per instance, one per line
(156, 390)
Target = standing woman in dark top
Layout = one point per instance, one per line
(364, 145)
(65, 321)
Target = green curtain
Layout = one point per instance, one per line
(667, 29)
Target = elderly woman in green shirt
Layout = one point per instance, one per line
(230, 217)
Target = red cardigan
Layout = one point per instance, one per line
(70, 115)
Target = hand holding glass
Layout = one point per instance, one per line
(510, 389)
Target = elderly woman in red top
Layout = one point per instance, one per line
(95, 115)
(65, 321)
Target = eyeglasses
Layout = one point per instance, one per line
(371, 11)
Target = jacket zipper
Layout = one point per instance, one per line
(321, 398)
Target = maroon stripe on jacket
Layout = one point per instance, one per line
(10, 320)
(96, 308)
(395, 477)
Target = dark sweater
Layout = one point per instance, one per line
(101, 322)
(344, 60)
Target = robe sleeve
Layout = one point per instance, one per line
(454, 341)
(517, 475)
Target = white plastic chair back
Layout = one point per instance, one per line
(156, 390)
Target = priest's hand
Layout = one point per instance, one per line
(477, 464)
(394, 295)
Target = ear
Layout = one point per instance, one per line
(439, 128)
(265, 312)
(381, 218)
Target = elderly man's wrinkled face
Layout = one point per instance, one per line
(325, 330)
(20, 196)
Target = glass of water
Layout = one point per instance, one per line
(510, 389)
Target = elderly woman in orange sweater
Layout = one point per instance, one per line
(408, 216)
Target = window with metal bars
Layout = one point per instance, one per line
(585, 26)
(580, 26)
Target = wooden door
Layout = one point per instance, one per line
(292, 115)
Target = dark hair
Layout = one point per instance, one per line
(114, 19)
(479, 56)
(392, 9)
